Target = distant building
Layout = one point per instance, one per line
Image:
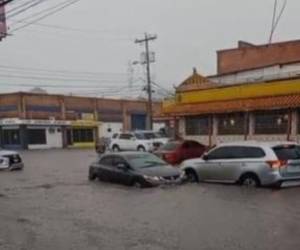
(38, 90)
(31, 121)
(254, 96)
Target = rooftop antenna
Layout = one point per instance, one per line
(276, 18)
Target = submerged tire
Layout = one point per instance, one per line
(249, 180)
(191, 176)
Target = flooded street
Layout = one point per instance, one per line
(52, 205)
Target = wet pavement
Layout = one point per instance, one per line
(52, 205)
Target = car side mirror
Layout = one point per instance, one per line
(122, 166)
(205, 157)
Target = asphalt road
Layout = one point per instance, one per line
(52, 205)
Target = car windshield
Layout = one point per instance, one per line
(160, 135)
(170, 146)
(145, 136)
(287, 152)
(145, 161)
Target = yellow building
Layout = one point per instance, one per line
(212, 113)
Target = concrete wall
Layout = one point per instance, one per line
(263, 74)
(115, 127)
(54, 140)
(245, 58)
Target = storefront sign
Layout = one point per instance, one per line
(16, 121)
(88, 116)
(84, 123)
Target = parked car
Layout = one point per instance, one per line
(132, 141)
(159, 139)
(10, 160)
(175, 152)
(135, 169)
(247, 163)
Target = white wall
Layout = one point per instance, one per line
(105, 126)
(267, 73)
(54, 140)
(158, 125)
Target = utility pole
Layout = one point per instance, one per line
(149, 88)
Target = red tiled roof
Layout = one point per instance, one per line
(277, 102)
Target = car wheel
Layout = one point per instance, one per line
(250, 180)
(137, 184)
(141, 149)
(116, 148)
(191, 176)
(277, 185)
(92, 176)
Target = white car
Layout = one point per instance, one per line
(248, 163)
(131, 141)
(158, 138)
(10, 160)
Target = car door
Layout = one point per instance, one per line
(232, 168)
(121, 171)
(125, 141)
(105, 168)
(213, 167)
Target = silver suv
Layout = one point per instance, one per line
(248, 163)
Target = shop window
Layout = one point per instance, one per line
(271, 122)
(197, 125)
(231, 124)
(11, 137)
(83, 135)
(37, 136)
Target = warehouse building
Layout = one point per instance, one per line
(255, 95)
(41, 121)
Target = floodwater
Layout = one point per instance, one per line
(52, 205)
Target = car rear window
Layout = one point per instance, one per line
(236, 152)
(170, 146)
(287, 152)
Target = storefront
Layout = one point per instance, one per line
(82, 134)
(32, 134)
(211, 113)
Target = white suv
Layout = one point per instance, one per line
(248, 163)
(131, 141)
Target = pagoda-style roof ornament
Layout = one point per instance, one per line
(194, 82)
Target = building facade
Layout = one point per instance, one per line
(242, 102)
(41, 121)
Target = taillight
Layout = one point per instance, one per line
(170, 157)
(277, 164)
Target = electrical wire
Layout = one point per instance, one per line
(34, 3)
(48, 12)
(63, 72)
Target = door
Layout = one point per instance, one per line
(138, 121)
(121, 171)
(238, 158)
(218, 163)
(105, 170)
(127, 141)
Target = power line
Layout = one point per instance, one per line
(59, 71)
(276, 20)
(51, 11)
(34, 3)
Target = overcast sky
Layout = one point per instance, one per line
(103, 32)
